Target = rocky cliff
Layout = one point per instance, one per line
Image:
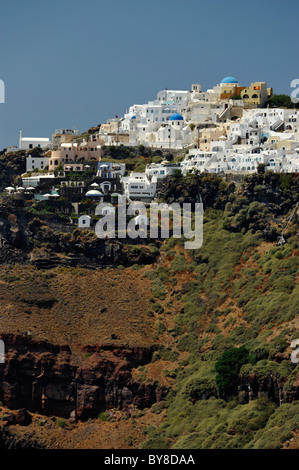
(46, 378)
(12, 165)
(25, 238)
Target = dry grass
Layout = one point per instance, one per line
(82, 307)
(125, 431)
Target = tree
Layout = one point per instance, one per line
(141, 149)
(177, 173)
(281, 101)
(36, 152)
(228, 369)
(261, 167)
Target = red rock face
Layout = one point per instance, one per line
(44, 378)
(252, 387)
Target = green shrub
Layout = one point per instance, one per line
(61, 423)
(161, 327)
(179, 264)
(103, 416)
(158, 308)
(278, 429)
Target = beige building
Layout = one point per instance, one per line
(61, 136)
(285, 144)
(206, 136)
(75, 153)
(109, 127)
(256, 95)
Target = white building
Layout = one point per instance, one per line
(84, 221)
(145, 123)
(35, 180)
(39, 163)
(27, 143)
(157, 171)
(111, 170)
(138, 186)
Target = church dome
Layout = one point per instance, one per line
(94, 192)
(176, 117)
(229, 80)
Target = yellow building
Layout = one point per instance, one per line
(282, 144)
(229, 91)
(109, 127)
(256, 95)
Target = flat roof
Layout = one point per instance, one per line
(35, 138)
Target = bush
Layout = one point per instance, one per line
(103, 416)
(161, 327)
(278, 429)
(179, 265)
(158, 308)
(61, 423)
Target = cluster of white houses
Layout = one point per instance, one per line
(225, 129)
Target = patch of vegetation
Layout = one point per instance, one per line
(62, 423)
(166, 354)
(103, 416)
(243, 288)
(228, 368)
(10, 278)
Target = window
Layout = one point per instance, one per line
(30, 146)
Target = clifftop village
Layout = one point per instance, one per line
(229, 129)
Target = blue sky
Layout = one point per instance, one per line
(78, 63)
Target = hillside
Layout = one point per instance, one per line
(206, 332)
(12, 164)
